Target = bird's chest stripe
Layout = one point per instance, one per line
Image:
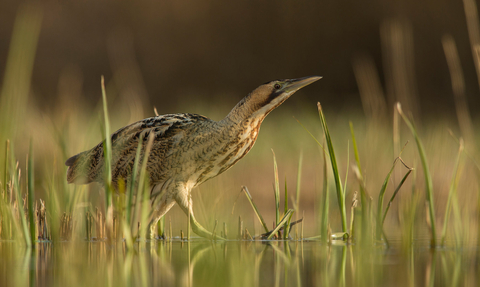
(247, 138)
(233, 152)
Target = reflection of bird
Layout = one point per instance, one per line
(187, 149)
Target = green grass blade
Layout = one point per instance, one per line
(287, 227)
(326, 200)
(259, 216)
(346, 173)
(426, 171)
(455, 203)
(338, 183)
(276, 190)
(451, 192)
(380, 200)
(31, 195)
(365, 211)
(380, 219)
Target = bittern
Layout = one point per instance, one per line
(187, 149)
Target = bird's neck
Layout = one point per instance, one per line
(242, 111)
(247, 110)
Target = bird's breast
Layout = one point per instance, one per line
(235, 145)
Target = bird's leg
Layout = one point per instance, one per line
(163, 207)
(185, 202)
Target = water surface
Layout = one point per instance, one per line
(235, 263)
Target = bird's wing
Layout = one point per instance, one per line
(168, 130)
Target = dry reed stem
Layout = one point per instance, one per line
(397, 47)
(458, 87)
(370, 88)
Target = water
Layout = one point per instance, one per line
(235, 263)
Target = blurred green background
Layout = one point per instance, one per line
(166, 53)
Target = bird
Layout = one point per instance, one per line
(187, 149)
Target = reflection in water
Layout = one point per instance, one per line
(233, 263)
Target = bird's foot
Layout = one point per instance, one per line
(199, 230)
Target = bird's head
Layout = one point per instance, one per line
(270, 95)
(267, 97)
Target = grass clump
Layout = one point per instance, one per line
(281, 224)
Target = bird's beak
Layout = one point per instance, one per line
(296, 84)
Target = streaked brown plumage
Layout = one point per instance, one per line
(187, 149)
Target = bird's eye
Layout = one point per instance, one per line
(277, 86)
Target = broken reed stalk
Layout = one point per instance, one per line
(282, 222)
(380, 218)
(395, 194)
(379, 224)
(254, 206)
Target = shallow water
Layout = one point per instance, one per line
(235, 263)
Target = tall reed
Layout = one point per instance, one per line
(336, 174)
